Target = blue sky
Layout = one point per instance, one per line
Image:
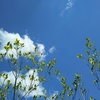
(63, 24)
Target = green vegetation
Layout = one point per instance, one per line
(41, 72)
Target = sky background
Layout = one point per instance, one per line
(62, 24)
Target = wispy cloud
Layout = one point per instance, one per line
(26, 83)
(52, 49)
(68, 6)
(29, 45)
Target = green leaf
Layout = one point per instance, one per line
(99, 65)
(42, 79)
(21, 44)
(45, 92)
(63, 78)
(8, 81)
(88, 39)
(91, 98)
(88, 52)
(95, 81)
(8, 43)
(77, 76)
(32, 77)
(91, 61)
(40, 69)
(22, 76)
(88, 45)
(57, 72)
(79, 56)
(35, 48)
(42, 63)
(27, 67)
(10, 46)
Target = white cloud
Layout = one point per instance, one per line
(68, 6)
(52, 49)
(28, 44)
(28, 47)
(25, 82)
